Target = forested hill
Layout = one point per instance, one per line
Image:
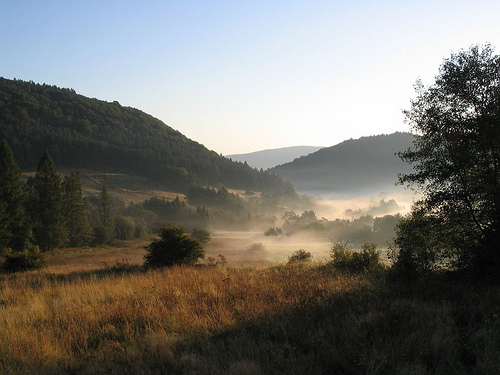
(353, 167)
(80, 132)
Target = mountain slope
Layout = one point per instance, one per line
(270, 158)
(80, 132)
(353, 167)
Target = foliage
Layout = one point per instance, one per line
(19, 261)
(456, 158)
(419, 247)
(346, 259)
(13, 223)
(300, 256)
(176, 210)
(76, 211)
(105, 231)
(125, 227)
(46, 205)
(174, 246)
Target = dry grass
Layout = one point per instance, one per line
(241, 320)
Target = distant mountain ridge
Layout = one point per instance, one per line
(84, 133)
(266, 159)
(353, 167)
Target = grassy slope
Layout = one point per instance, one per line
(240, 320)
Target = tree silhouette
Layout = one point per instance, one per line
(456, 159)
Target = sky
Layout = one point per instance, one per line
(242, 76)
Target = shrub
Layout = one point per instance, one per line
(174, 246)
(300, 256)
(256, 248)
(346, 259)
(274, 231)
(19, 261)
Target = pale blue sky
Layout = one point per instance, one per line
(241, 76)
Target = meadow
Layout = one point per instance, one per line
(96, 311)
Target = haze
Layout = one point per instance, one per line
(246, 76)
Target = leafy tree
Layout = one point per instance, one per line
(419, 246)
(174, 246)
(13, 224)
(47, 211)
(75, 211)
(124, 227)
(456, 161)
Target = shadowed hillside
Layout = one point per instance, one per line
(354, 167)
(80, 132)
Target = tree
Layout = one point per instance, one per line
(456, 159)
(105, 232)
(47, 210)
(174, 246)
(13, 224)
(75, 211)
(124, 227)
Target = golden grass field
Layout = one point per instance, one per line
(89, 312)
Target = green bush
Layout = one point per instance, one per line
(19, 261)
(345, 259)
(300, 256)
(174, 246)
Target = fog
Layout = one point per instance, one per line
(236, 246)
(254, 247)
(375, 205)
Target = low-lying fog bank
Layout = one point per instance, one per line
(240, 247)
(356, 220)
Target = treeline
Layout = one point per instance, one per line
(48, 210)
(88, 133)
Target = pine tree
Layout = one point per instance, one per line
(13, 231)
(49, 222)
(75, 211)
(106, 217)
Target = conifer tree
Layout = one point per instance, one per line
(106, 216)
(13, 231)
(49, 222)
(75, 211)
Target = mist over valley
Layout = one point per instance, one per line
(156, 175)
